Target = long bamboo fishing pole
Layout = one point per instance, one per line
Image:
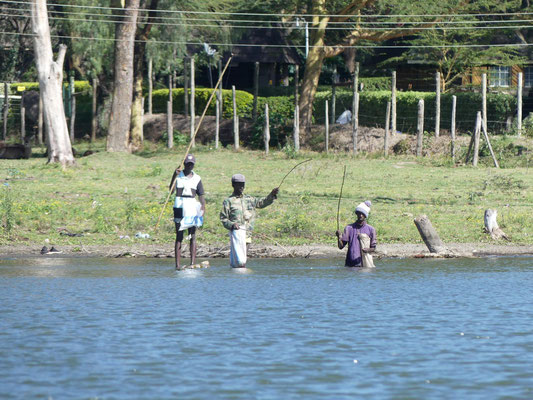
(340, 197)
(192, 139)
(293, 168)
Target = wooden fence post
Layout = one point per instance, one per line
(356, 79)
(217, 123)
(452, 128)
(150, 85)
(420, 128)
(235, 121)
(256, 91)
(296, 83)
(94, 122)
(266, 131)
(437, 104)
(170, 126)
(72, 108)
(333, 96)
(193, 111)
(393, 103)
(387, 133)
(327, 126)
(185, 88)
(40, 121)
(355, 121)
(296, 130)
(484, 99)
(477, 133)
(219, 94)
(5, 110)
(519, 105)
(22, 120)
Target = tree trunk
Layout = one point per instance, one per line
(313, 67)
(50, 79)
(491, 225)
(136, 107)
(120, 118)
(429, 235)
(141, 37)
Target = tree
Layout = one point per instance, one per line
(446, 45)
(50, 82)
(326, 45)
(141, 38)
(119, 123)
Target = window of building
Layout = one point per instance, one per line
(528, 77)
(500, 76)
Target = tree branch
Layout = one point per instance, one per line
(351, 9)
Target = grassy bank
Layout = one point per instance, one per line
(111, 195)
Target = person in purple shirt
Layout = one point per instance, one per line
(351, 233)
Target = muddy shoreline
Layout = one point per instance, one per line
(405, 250)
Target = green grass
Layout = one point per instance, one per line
(108, 195)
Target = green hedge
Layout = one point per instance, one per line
(83, 87)
(372, 109)
(244, 101)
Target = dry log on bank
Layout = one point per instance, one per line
(491, 225)
(429, 235)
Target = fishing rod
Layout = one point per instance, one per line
(340, 196)
(293, 168)
(192, 140)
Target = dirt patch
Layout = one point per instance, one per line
(155, 126)
(370, 140)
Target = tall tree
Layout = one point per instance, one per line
(441, 46)
(324, 45)
(50, 82)
(119, 123)
(141, 39)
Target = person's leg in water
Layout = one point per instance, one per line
(177, 246)
(192, 233)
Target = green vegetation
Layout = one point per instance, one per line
(108, 195)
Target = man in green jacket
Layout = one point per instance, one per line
(238, 216)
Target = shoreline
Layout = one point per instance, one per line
(316, 251)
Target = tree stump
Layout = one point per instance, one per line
(429, 235)
(491, 225)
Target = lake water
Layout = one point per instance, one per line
(288, 329)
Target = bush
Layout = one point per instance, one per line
(244, 101)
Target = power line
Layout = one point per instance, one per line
(280, 14)
(256, 21)
(217, 26)
(287, 46)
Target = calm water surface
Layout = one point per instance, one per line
(288, 329)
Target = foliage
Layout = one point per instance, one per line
(437, 47)
(244, 101)
(180, 138)
(6, 211)
(80, 87)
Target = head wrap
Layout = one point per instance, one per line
(364, 208)
(237, 178)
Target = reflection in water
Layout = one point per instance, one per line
(313, 329)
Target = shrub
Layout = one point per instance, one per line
(243, 100)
